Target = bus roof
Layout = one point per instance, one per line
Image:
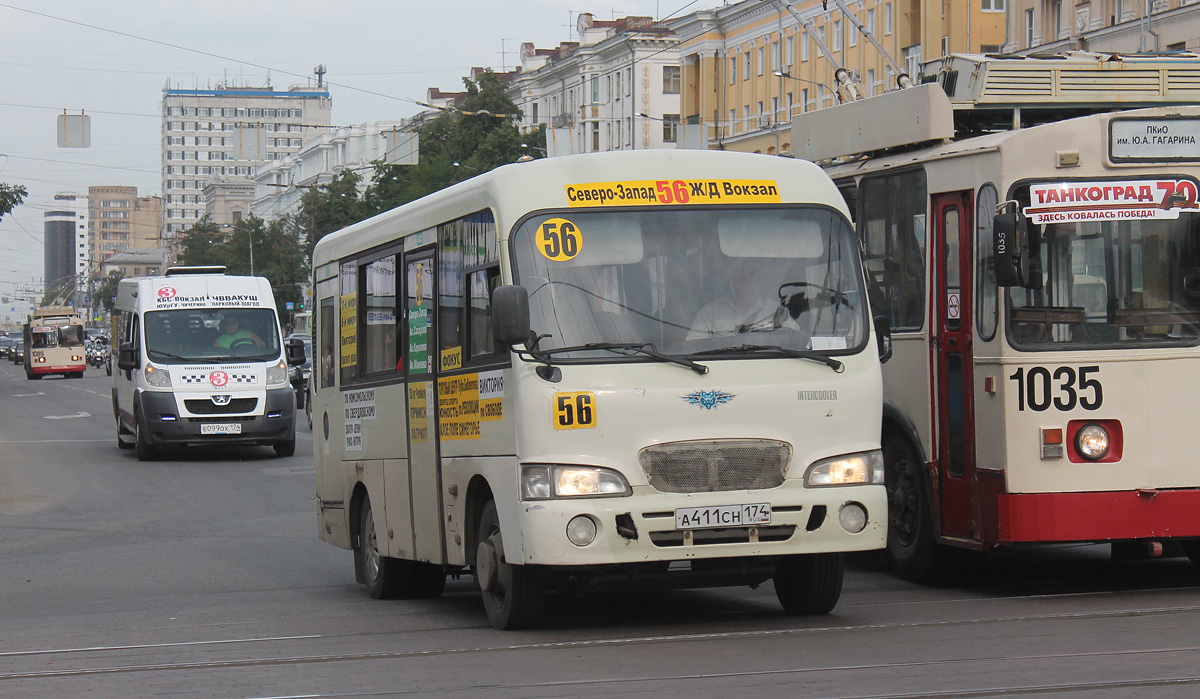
(512, 191)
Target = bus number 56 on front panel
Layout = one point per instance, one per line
(574, 411)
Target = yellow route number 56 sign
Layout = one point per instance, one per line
(574, 411)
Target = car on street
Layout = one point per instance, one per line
(5, 346)
(17, 352)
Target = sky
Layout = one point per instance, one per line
(112, 60)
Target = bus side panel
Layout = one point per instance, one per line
(908, 367)
(396, 508)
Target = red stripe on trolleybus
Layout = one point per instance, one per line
(1153, 514)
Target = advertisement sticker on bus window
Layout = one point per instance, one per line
(458, 407)
(418, 412)
(673, 192)
(491, 396)
(1109, 200)
(559, 240)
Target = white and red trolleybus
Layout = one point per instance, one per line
(1032, 229)
(54, 343)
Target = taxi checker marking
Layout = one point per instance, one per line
(559, 240)
(643, 192)
(708, 399)
(230, 378)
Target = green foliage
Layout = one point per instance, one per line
(106, 293)
(330, 207)
(276, 249)
(11, 196)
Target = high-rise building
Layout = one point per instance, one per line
(229, 132)
(121, 221)
(65, 227)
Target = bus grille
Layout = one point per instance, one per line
(707, 466)
(207, 407)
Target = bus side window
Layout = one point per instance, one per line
(381, 317)
(482, 283)
(328, 329)
(892, 225)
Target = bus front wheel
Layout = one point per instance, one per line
(911, 546)
(809, 583)
(145, 450)
(393, 578)
(512, 594)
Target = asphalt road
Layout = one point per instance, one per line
(201, 575)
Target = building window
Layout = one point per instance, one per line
(992, 5)
(887, 19)
(732, 69)
(671, 80)
(762, 59)
(1029, 28)
(776, 57)
(837, 35)
(912, 59)
(804, 46)
(746, 66)
(788, 49)
(670, 128)
(945, 46)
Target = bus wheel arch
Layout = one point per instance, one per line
(356, 504)
(479, 494)
(512, 594)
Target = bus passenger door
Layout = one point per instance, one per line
(419, 357)
(952, 327)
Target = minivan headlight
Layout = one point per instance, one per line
(851, 469)
(548, 481)
(277, 375)
(156, 376)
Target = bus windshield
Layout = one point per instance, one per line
(710, 282)
(1112, 283)
(211, 335)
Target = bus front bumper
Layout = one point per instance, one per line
(275, 423)
(642, 528)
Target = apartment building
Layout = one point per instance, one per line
(748, 67)
(617, 88)
(229, 131)
(120, 221)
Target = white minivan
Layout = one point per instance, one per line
(201, 361)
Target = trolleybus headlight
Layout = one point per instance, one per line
(545, 481)
(157, 377)
(1092, 442)
(277, 375)
(851, 469)
(581, 530)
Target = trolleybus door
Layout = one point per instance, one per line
(420, 358)
(952, 327)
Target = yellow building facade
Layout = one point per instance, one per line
(749, 67)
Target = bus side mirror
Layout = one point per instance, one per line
(883, 334)
(294, 351)
(510, 314)
(127, 357)
(1007, 235)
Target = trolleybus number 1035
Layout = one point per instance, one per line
(1064, 388)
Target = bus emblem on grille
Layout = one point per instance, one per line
(708, 399)
(221, 399)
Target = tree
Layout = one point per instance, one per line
(330, 207)
(11, 196)
(107, 291)
(275, 246)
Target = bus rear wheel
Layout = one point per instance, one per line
(512, 594)
(809, 583)
(1191, 548)
(911, 546)
(393, 578)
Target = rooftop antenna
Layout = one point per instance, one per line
(504, 53)
(320, 71)
(571, 24)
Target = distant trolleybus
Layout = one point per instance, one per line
(1034, 234)
(651, 368)
(54, 343)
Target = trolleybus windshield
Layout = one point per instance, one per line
(715, 283)
(1112, 284)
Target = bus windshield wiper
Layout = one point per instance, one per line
(787, 352)
(638, 347)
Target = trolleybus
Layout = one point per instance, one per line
(651, 368)
(1032, 230)
(54, 343)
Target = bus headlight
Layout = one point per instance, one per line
(1092, 442)
(157, 377)
(851, 469)
(277, 375)
(548, 481)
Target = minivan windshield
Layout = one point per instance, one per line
(712, 284)
(211, 335)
